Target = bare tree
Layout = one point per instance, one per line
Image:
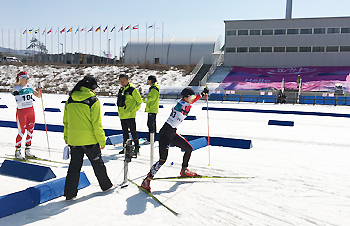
(34, 43)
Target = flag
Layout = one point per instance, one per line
(31, 30)
(69, 30)
(149, 27)
(49, 31)
(62, 30)
(82, 29)
(112, 29)
(36, 31)
(92, 28)
(128, 27)
(135, 27)
(121, 29)
(105, 29)
(98, 29)
(159, 28)
(76, 30)
(25, 31)
(43, 32)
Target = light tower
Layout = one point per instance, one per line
(289, 9)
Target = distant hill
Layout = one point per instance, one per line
(16, 52)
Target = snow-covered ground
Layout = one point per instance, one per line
(302, 173)
(61, 79)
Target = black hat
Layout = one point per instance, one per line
(186, 92)
(152, 78)
(89, 82)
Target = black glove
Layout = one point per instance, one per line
(15, 93)
(205, 91)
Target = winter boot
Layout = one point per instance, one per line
(146, 184)
(18, 154)
(28, 154)
(136, 152)
(186, 173)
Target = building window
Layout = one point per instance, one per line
(267, 32)
(254, 49)
(318, 49)
(230, 33)
(242, 49)
(292, 31)
(255, 32)
(332, 48)
(345, 30)
(319, 31)
(344, 48)
(304, 49)
(242, 32)
(292, 49)
(279, 49)
(266, 49)
(333, 30)
(230, 49)
(305, 31)
(280, 31)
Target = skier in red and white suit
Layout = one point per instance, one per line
(25, 116)
(168, 136)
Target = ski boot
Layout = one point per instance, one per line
(146, 184)
(186, 173)
(28, 154)
(18, 154)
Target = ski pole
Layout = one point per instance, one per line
(208, 125)
(42, 104)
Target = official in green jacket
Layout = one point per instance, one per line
(129, 102)
(84, 134)
(152, 105)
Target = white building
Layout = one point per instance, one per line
(171, 51)
(288, 42)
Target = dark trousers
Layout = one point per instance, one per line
(127, 124)
(93, 152)
(151, 124)
(168, 136)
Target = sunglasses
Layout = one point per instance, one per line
(192, 97)
(24, 76)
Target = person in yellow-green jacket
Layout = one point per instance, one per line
(152, 105)
(84, 134)
(129, 102)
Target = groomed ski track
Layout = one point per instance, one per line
(301, 173)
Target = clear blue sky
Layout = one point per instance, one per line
(181, 18)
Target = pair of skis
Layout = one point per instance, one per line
(179, 177)
(34, 160)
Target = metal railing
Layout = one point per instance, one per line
(196, 69)
(217, 62)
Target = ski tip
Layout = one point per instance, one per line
(209, 164)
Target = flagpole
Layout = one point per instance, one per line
(65, 46)
(115, 42)
(51, 45)
(26, 39)
(93, 45)
(45, 45)
(108, 45)
(58, 43)
(154, 44)
(130, 42)
(162, 40)
(72, 41)
(20, 39)
(79, 40)
(138, 42)
(146, 43)
(85, 40)
(14, 38)
(100, 43)
(123, 42)
(9, 38)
